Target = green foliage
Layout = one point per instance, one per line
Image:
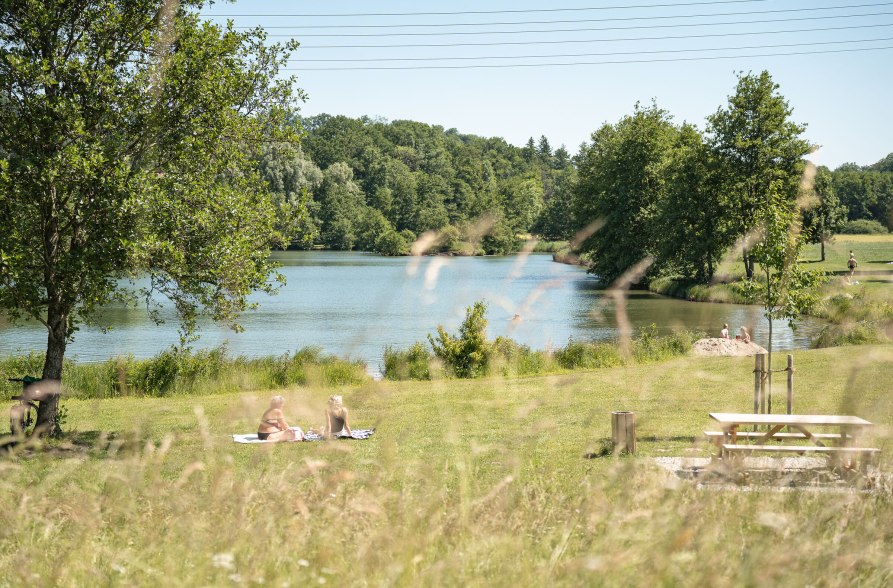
(412, 364)
(825, 215)
(424, 178)
(759, 153)
(863, 227)
(589, 355)
(649, 347)
(391, 242)
(179, 372)
(135, 129)
(867, 193)
(466, 355)
(622, 176)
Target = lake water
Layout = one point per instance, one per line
(354, 304)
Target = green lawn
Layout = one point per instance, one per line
(476, 483)
(873, 252)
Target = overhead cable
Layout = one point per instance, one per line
(613, 40)
(577, 63)
(575, 20)
(603, 54)
(530, 10)
(635, 27)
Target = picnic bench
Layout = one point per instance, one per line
(840, 443)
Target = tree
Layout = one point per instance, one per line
(826, 215)
(757, 145)
(788, 291)
(693, 232)
(621, 182)
(129, 141)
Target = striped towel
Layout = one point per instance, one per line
(355, 434)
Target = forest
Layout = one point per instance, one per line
(678, 193)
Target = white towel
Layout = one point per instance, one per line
(252, 437)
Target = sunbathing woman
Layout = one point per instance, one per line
(337, 420)
(273, 426)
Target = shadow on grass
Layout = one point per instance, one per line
(98, 444)
(605, 447)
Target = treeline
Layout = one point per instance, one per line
(671, 200)
(867, 194)
(376, 186)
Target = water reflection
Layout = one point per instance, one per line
(353, 305)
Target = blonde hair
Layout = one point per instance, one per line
(277, 400)
(335, 401)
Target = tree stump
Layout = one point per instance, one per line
(623, 431)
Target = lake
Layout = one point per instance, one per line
(354, 304)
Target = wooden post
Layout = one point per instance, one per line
(623, 431)
(790, 384)
(757, 381)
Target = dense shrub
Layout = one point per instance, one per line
(466, 355)
(412, 364)
(186, 372)
(588, 355)
(863, 226)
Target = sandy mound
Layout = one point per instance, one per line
(716, 346)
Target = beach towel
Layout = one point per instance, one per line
(252, 437)
(358, 434)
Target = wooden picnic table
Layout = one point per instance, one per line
(842, 431)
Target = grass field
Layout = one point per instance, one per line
(465, 482)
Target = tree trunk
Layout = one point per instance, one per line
(748, 263)
(823, 249)
(771, 308)
(48, 406)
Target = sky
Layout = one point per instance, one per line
(833, 61)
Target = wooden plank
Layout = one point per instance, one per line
(798, 448)
(731, 418)
(756, 434)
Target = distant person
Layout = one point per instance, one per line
(273, 426)
(851, 264)
(724, 334)
(337, 419)
(516, 318)
(744, 336)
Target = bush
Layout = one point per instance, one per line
(413, 364)
(186, 372)
(468, 354)
(863, 226)
(391, 242)
(588, 355)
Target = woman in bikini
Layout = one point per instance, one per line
(337, 420)
(273, 426)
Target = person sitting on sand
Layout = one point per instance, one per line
(724, 334)
(273, 426)
(745, 336)
(337, 419)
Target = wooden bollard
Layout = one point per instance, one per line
(623, 431)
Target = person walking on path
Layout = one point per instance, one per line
(851, 264)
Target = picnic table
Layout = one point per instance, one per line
(834, 435)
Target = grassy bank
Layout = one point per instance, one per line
(466, 482)
(172, 373)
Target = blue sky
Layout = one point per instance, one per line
(843, 94)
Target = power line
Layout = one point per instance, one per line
(525, 11)
(467, 58)
(665, 26)
(566, 21)
(529, 65)
(571, 41)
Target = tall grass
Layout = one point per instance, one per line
(173, 372)
(506, 357)
(465, 483)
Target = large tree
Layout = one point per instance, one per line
(621, 182)
(824, 214)
(130, 132)
(757, 145)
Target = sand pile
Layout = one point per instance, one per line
(715, 346)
